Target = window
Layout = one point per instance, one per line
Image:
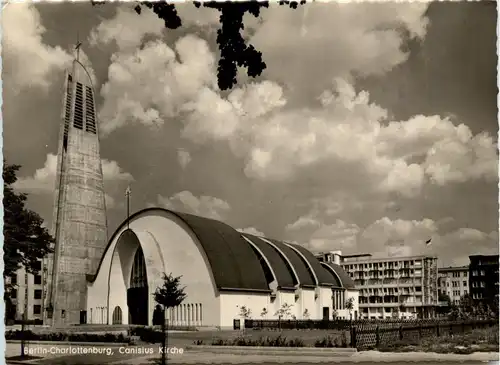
(465, 292)
(482, 273)
(37, 309)
(13, 279)
(37, 294)
(474, 273)
(13, 293)
(482, 284)
(38, 279)
(448, 285)
(464, 283)
(37, 266)
(465, 274)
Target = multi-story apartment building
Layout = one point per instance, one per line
(483, 278)
(404, 287)
(28, 294)
(454, 282)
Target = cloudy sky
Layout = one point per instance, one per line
(373, 128)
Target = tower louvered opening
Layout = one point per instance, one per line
(89, 109)
(78, 119)
(67, 111)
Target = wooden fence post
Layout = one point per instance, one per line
(377, 337)
(401, 332)
(420, 331)
(353, 337)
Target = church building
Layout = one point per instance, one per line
(95, 280)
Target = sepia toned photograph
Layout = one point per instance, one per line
(250, 182)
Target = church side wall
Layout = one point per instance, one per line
(325, 300)
(309, 303)
(231, 303)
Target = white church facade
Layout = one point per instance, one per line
(221, 270)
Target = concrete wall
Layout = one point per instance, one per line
(169, 246)
(231, 303)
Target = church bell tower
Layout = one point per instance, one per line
(79, 220)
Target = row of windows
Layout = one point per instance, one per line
(37, 294)
(405, 264)
(37, 280)
(476, 272)
(454, 284)
(475, 284)
(457, 274)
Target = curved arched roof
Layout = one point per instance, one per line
(305, 278)
(345, 280)
(232, 260)
(324, 278)
(280, 269)
(333, 275)
(235, 265)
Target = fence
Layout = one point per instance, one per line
(366, 334)
(373, 335)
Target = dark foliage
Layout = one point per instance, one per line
(72, 337)
(234, 51)
(26, 241)
(170, 294)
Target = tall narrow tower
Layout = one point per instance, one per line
(79, 222)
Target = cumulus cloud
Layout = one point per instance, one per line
(43, 180)
(184, 158)
(347, 131)
(251, 230)
(126, 29)
(27, 59)
(396, 238)
(150, 84)
(205, 206)
(353, 39)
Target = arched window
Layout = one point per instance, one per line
(117, 315)
(138, 277)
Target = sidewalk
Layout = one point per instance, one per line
(359, 357)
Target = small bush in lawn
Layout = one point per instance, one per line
(218, 342)
(327, 341)
(198, 342)
(277, 342)
(296, 342)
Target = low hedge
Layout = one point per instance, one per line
(280, 341)
(72, 337)
(147, 334)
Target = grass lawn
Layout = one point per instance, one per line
(479, 340)
(308, 337)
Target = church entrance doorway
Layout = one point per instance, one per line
(137, 294)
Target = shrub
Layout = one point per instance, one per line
(58, 336)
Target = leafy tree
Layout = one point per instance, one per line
(169, 295)
(26, 241)
(245, 313)
(466, 306)
(349, 305)
(233, 49)
(285, 311)
(444, 298)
